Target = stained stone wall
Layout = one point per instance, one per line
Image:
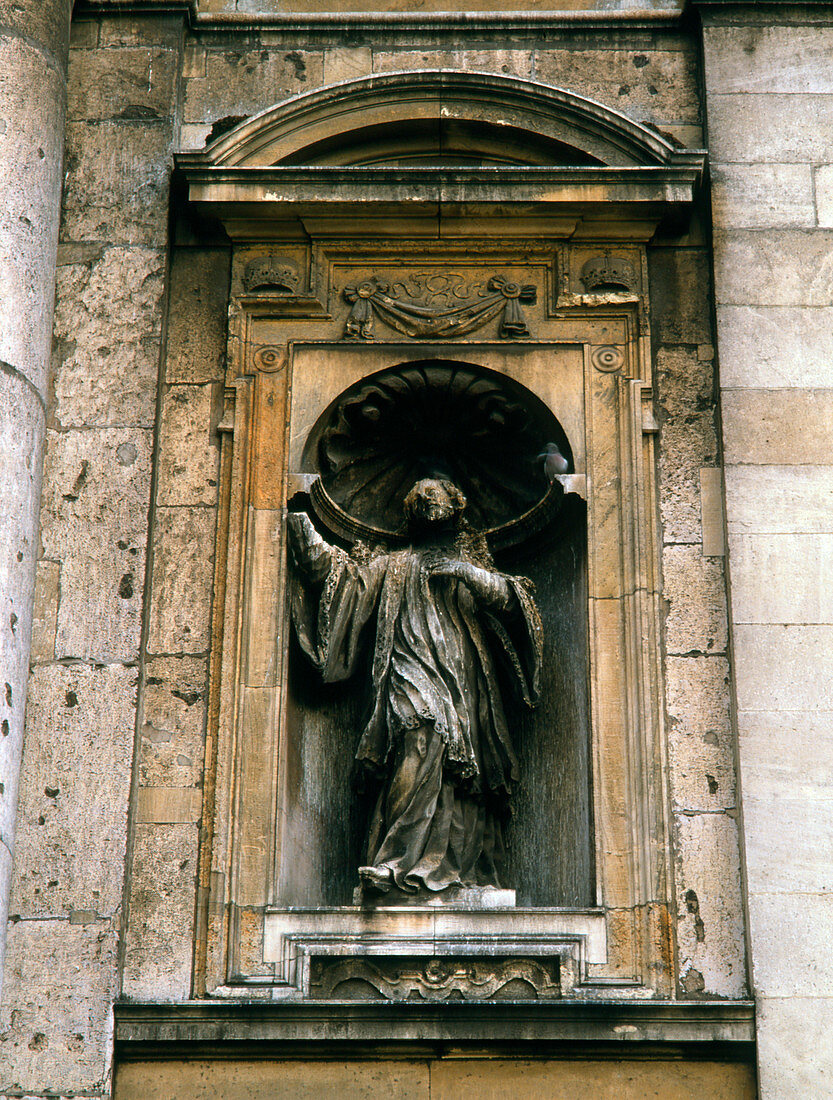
(769, 92)
(106, 879)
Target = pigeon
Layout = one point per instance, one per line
(553, 462)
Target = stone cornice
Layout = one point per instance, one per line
(219, 1028)
(490, 23)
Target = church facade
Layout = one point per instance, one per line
(521, 322)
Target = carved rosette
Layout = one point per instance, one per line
(608, 358)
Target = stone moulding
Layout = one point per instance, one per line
(294, 937)
(215, 1029)
(282, 133)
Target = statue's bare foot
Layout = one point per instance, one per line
(376, 880)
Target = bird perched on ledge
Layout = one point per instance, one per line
(552, 462)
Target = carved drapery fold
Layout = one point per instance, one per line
(463, 307)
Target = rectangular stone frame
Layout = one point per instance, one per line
(242, 825)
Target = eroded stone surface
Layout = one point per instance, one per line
(243, 81)
(694, 595)
(189, 445)
(182, 580)
(58, 1035)
(107, 332)
(173, 728)
(159, 937)
(701, 736)
(117, 182)
(197, 316)
(94, 522)
(709, 907)
(74, 790)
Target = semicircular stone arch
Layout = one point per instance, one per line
(440, 117)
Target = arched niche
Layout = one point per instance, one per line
(566, 222)
(484, 431)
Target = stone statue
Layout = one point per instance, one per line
(451, 638)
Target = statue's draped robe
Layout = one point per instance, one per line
(437, 729)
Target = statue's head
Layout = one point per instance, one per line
(433, 501)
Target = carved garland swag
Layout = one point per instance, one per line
(420, 318)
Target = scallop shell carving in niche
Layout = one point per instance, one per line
(436, 419)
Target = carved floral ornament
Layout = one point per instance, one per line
(437, 306)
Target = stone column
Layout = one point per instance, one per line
(33, 57)
(769, 96)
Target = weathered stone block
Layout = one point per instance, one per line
(45, 613)
(388, 1079)
(142, 29)
(762, 196)
(710, 935)
(197, 316)
(182, 580)
(61, 981)
(173, 722)
(788, 753)
(700, 735)
(107, 331)
(757, 423)
(780, 129)
(790, 59)
(242, 82)
(80, 723)
(686, 445)
(773, 663)
(776, 347)
(656, 85)
(788, 839)
(695, 598)
(790, 933)
(117, 182)
(347, 63)
(750, 270)
(31, 107)
(189, 454)
(510, 62)
(130, 84)
(159, 941)
(94, 521)
(685, 381)
(508, 1079)
(824, 195)
(803, 495)
(782, 578)
(795, 1057)
(680, 280)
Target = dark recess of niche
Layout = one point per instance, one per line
(549, 842)
(548, 838)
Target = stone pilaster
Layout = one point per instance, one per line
(33, 57)
(769, 92)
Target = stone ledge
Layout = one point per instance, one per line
(216, 1030)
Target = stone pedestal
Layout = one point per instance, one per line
(431, 952)
(33, 55)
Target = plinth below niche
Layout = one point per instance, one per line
(431, 952)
